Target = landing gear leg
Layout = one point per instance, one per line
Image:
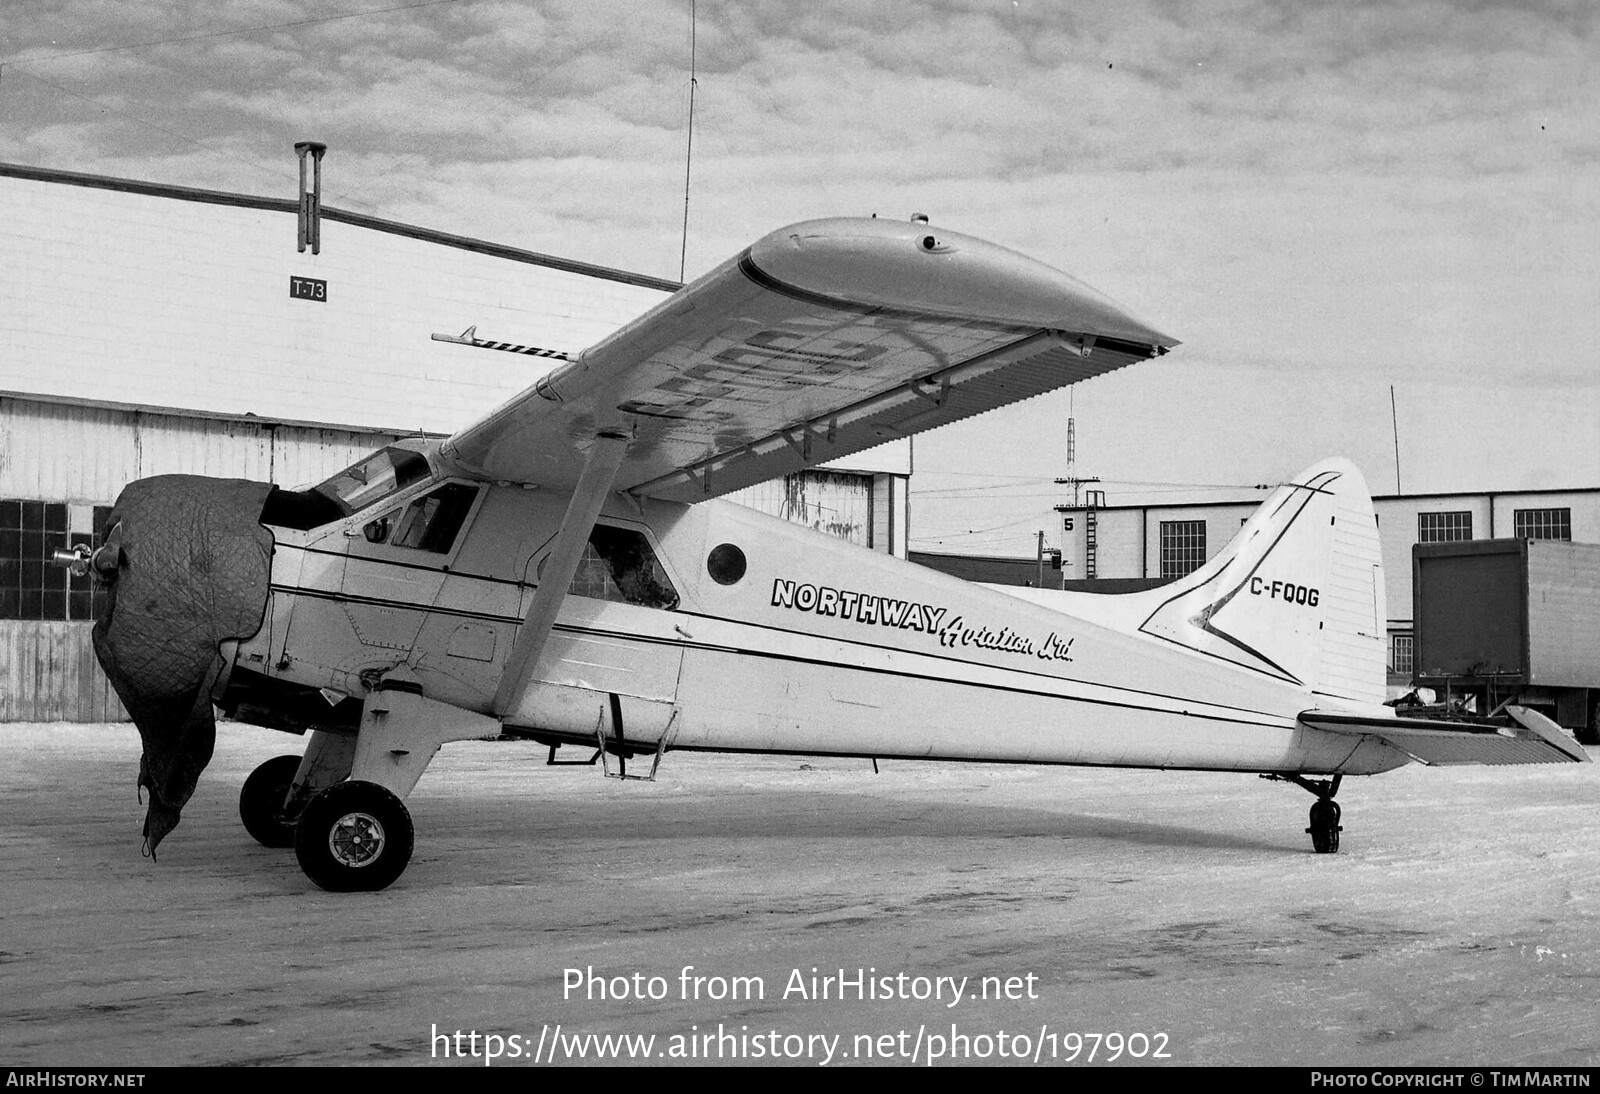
(1325, 812)
(357, 836)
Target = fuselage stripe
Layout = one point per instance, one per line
(1247, 717)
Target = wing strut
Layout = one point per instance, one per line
(594, 484)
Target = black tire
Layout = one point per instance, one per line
(1325, 826)
(261, 802)
(354, 837)
(1590, 733)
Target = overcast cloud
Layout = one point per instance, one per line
(1320, 200)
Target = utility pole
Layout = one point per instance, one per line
(1072, 478)
(1039, 583)
(1077, 482)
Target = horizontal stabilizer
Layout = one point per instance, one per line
(1531, 739)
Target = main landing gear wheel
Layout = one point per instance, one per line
(354, 837)
(1325, 827)
(261, 802)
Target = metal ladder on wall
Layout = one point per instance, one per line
(1093, 499)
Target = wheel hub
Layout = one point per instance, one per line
(356, 840)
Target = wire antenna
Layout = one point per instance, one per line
(688, 158)
(1394, 421)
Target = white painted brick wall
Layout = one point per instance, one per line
(1117, 540)
(158, 301)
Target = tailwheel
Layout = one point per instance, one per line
(1325, 827)
(262, 802)
(354, 837)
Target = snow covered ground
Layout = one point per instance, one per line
(1457, 925)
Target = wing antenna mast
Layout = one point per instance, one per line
(688, 157)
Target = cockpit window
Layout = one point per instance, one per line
(619, 565)
(429, 524)
(374, 478)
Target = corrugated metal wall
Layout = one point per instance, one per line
(48, 674)
(837, 503)
(84, 456)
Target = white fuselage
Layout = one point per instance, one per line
(819, 647)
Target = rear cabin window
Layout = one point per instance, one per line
(619, 565)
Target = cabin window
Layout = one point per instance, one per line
(619, 565)
(725, 564)
(428, 524)
(1183, 547)
(1443, 527)
(432, 521)
(1542, 523)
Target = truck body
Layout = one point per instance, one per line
(1511, 620)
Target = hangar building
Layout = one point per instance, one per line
(150, 329)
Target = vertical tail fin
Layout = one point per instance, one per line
(1298, 595)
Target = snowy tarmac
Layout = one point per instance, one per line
(1459, 924)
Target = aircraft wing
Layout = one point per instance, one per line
(823, 339)
(1532, 739)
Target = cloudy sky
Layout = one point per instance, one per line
(1319, 200)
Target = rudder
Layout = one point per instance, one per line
(1297, 595)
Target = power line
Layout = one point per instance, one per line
(962, 495)
(984, 531)
(988, 475)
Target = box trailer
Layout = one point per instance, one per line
(1501, 621)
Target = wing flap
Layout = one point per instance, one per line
(819, 341)
(1031, 366)
(1530, 739)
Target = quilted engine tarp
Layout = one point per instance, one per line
(195, 571)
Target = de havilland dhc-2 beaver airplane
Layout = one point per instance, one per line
(561, 571)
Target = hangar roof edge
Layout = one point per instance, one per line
(118, 406)
(358, 220)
